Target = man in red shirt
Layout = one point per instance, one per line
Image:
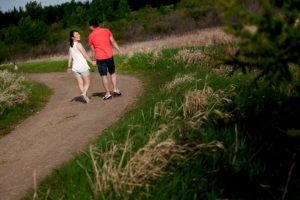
(100, 41)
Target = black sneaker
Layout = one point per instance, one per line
(117, 93)
(107, 97)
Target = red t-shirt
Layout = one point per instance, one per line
(99, 38)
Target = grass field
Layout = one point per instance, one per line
(196, 133)
(39, 67)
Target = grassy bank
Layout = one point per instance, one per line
(196, 133)
(38, 96)
(40, 67)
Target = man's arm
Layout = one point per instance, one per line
(93, 55)
(114, 43)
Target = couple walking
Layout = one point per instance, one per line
(100, 41)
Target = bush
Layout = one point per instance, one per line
(3, 52)
(12, 91)
(12, 34)
(269, 40)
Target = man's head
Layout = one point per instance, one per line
(93, 24)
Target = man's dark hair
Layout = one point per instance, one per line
(94, 23)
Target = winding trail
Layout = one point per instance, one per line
(59, 131)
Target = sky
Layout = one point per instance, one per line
(6, 5)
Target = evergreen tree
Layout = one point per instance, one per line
(96, 10)
(123, 9)
(78, 17)
(69, 8)
(12, 35)
(34, 10)
(32, 32)
(272, 45)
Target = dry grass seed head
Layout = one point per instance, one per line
(146, 164)
(12, 91)
(190, 57)
(194, 101)
(154, 57)
(199, 105)
(179, 79)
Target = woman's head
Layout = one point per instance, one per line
(74, 37)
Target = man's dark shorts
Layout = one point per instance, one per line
(105, 64)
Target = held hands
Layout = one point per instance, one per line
(94, 63)
(120, 54)
(69, 70)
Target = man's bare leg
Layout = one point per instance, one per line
(105, 84)
(113, 78)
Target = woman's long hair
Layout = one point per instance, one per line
(71, 37)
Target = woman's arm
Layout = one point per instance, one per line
(69, 62)
(82, 50)
(93, 55)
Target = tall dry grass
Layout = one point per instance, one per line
(179, 79)
(121, 170)
(203, 37)
(147, 164)
(201, 106)
(12, 91)
(191, 57)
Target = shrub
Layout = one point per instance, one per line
(12, 90)
(269, 40)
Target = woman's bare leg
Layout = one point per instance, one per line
(86, 84)
(80, 84)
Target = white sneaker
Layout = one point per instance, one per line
(85, 98)
(117, 93)
(107, 97)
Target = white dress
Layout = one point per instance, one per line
(79, 62)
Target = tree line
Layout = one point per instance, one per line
(70, 12)
(29, 25)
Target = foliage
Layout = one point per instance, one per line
(269, 41)
(137, 4)
(3, 51)
(123, 9)
(78, 17)
(34, 10)
(58, 13)
(12, 34)
(197, 8)
(32, 32)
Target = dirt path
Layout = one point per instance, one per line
(60, 131)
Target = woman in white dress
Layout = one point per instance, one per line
(80, 68)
